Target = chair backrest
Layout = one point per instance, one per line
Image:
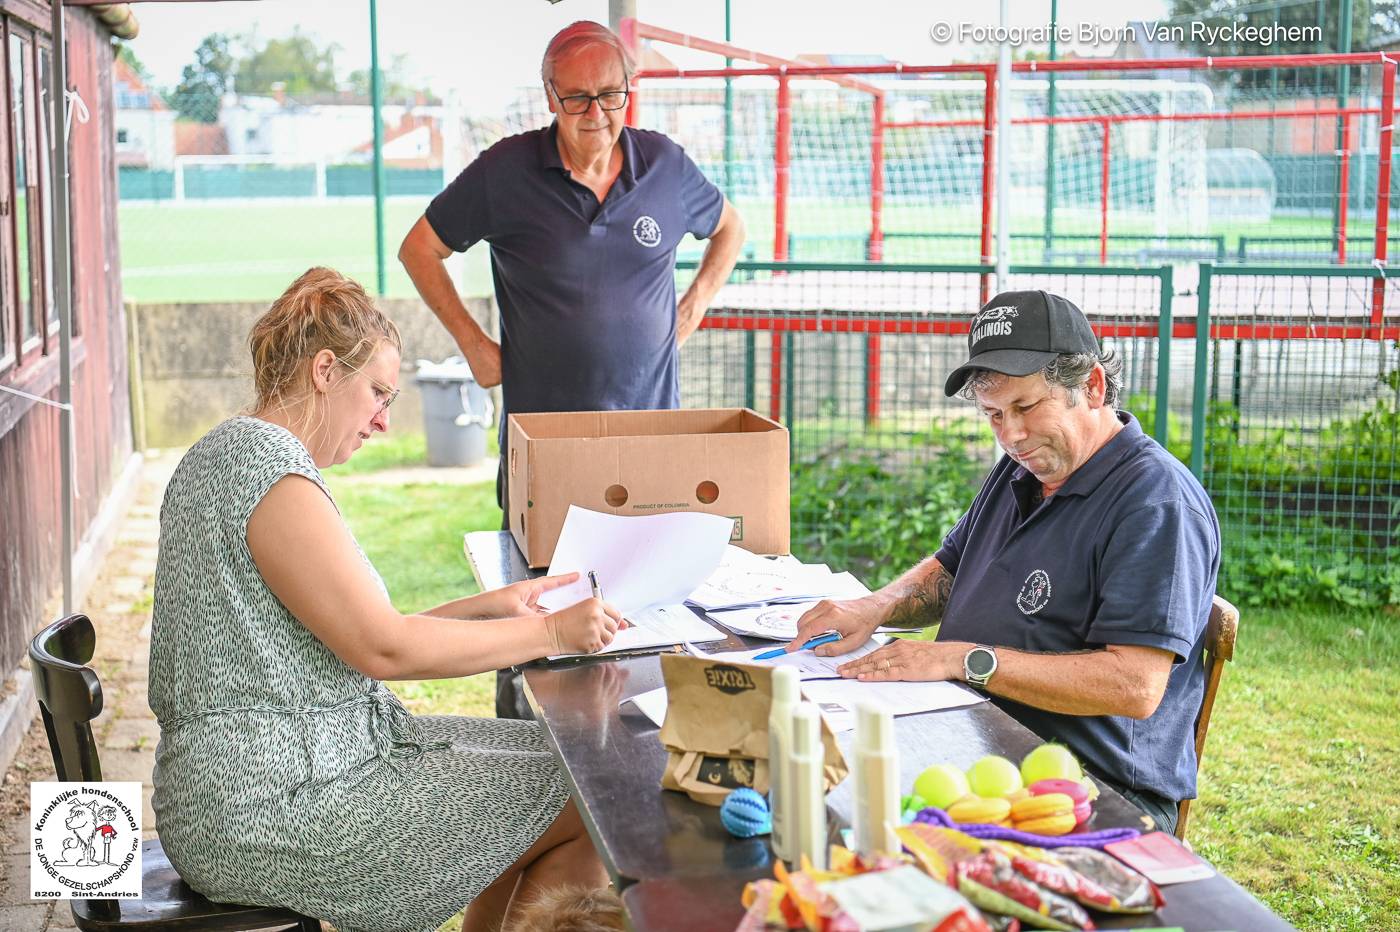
(1221, 630)
(70, 696)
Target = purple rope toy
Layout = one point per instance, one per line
(935, 816)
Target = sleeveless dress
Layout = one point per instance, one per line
(284, 777)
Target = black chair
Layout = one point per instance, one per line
(70, 697)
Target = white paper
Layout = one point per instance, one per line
(640, 562)
(745, 580)
(658, 626)
(808, 665)
(778, 621)
(651, 703)
(837, 699)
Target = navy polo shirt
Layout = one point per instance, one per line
(586, 290)
(1126, 552)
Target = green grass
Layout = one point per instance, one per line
(391, 451)
(251, 252)
(1299, 802)
(413, 536)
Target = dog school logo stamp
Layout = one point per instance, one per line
(1035, 593)
(85, 840)
(647, 232)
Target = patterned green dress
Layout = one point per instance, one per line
(283, 776)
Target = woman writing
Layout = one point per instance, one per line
(287, 774)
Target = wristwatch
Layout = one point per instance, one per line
(978, 666)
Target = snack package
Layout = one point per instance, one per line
(938, 850)
(1134, 892)
(903, 897)
(992, 883)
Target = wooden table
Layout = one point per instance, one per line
(676, 865)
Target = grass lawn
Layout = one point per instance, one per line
(413, 536)
(251, 251)
(1299, 801)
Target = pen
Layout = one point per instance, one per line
(819, 640)
(598, 594)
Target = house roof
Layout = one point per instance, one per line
(123, 73)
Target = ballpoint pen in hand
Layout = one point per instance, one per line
(825, 637)
(598, 594)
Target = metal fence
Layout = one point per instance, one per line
(1284, 403)
(1296, 427)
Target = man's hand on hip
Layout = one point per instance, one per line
(484, 357)
(855, 620)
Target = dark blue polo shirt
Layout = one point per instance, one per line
(1126, 552)
(586, 290)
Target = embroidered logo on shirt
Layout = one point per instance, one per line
(994, 322)
(1035, 593)
(647, 232)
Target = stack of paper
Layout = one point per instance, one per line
(645, 566)
(743, 580)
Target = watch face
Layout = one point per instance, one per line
(980, 662)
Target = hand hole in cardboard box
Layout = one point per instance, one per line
(615, 496)
(707, 492)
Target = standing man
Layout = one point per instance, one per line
(583, 218)
(1076, 588)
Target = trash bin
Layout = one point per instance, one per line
(456, 412)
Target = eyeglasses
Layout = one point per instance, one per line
(386, 395)
(576, 104)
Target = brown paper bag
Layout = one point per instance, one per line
(716, 729)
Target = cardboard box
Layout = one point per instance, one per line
(721, 461)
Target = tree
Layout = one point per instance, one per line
(1371, 22)
(295, 62)
(396, 84)
(127, 56)
(204, 82)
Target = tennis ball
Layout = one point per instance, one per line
(1050, 762)
(940, 784)
(993, 777)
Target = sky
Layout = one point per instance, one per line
(485, 49)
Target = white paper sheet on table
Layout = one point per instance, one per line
(651, 703)
(805, 662)
(837, 698)
(658, 626)
(745, 580)
(641, 561)
(777, 622)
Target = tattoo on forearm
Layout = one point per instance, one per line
(923, 603)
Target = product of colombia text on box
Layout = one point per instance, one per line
(721, 461)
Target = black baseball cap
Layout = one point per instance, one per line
(1020, 332)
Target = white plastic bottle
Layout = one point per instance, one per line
(808, 829)
(786, 695)
(877, 782)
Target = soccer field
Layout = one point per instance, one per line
(250, 251)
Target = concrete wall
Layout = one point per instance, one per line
(193, 369)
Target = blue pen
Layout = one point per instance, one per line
(817, 641)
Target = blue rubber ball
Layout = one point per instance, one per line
(745, 814)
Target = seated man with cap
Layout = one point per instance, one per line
(1076, 588)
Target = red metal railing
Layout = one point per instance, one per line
(785, 70)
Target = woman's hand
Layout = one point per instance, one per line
(583, 628)
(520, 598)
